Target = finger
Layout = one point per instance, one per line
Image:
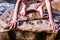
(10, 28)
(14, 25)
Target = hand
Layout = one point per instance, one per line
(53, 25)
(12, 24)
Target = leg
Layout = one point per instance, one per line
(12, 23)
(32, 1)
(40, 8)
(23, 11)
(51, 22)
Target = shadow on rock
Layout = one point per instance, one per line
(12, 35)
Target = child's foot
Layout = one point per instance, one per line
(54, 25)
(23, 12)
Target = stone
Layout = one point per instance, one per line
(28, 22)
(5, 6)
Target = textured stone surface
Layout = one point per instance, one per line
(56, 5)
(5, 6)
(30, 21)
(27, 30)
(28, 35)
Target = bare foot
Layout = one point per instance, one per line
(12, 24)
(54, 25)
(40, 11)
(23, 12)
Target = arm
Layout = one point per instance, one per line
(49, 9)
(16, 11)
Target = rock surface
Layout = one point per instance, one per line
(28, 22)
(28, 35)
(5, 6)
(56, 5)
(29, 28)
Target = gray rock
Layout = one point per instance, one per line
(5, 6)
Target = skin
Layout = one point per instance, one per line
(39, 8)
(23, 11)
(52, 24)
(51, 21)
(13, 22)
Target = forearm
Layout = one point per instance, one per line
(17, 7)
(49, 9)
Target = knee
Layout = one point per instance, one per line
(50, 0)
(19, 0)
(24, 1)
